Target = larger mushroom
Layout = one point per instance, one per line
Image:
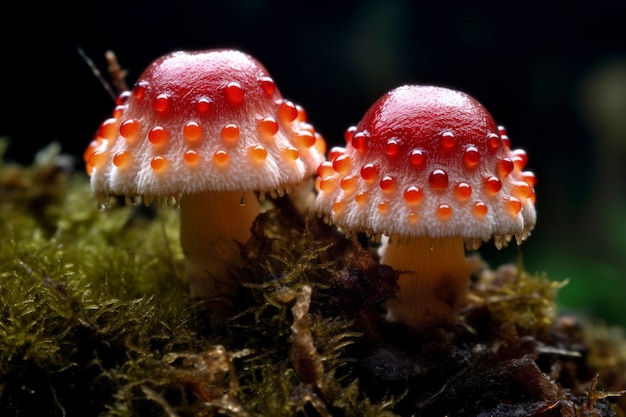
(204, 131)
(429, 168)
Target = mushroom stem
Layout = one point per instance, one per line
(434, 280)
(210, 223)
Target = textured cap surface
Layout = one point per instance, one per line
(428, 161)
(202, 121)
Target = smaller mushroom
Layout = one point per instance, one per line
(428, 168)
(205, 131)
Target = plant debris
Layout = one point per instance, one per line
(95, 320)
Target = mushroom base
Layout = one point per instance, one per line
(434, 281)
(210, 225)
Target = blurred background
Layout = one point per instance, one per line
(554, 73)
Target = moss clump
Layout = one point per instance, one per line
(74, 296)
(95, 320)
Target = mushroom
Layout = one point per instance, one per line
(203, 131)
(429, 169)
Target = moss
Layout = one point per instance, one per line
(95, 320)
(513, 295)
(76, 296)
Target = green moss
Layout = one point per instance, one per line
(95, 320)
(513, 295)
(94, 309)
(77, 295)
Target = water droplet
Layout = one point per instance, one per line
(519, 158)
(158, 164)
(97, 159)
(328, 184)
(463, 191)
(529, 178)
(291, 154)
(268, 86)
(361, 198)
(447, 140)
(388, 183)
(325, 169)
(139, 91)
(493, 184)
(335, 152)
(349, 183)
(301, 113)
(305, 138)
(359, 141)
(192, 131)
(129, 129)
(349, 134)
(391, 148)
(91, 148)
(480, 209)
(417, 157)
(471, 156)
(493, 141)
(118, 112)
(287, 111)
(339, 207)
(230, 133)
(413, 218)
(234, 93)
(342, 164)
(438, 178)
(122, 98)
(369, 172)
(161, 103)
(258, 153)
(514, 205)
(444, 211)
(122, 159)
(191, 157)
(268, 126)
(158, 135)
(383, 207)
(505, 167)
(221, 158)
(108, 129)
(320, 144)
(413, 195)
(203, 105)
(522, 190)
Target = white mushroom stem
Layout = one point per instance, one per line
(210, 223)
(434, 282)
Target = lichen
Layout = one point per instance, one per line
(95, 319)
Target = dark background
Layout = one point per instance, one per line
(554, 73)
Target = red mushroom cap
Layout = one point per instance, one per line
(428, 161)
(202, 121)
